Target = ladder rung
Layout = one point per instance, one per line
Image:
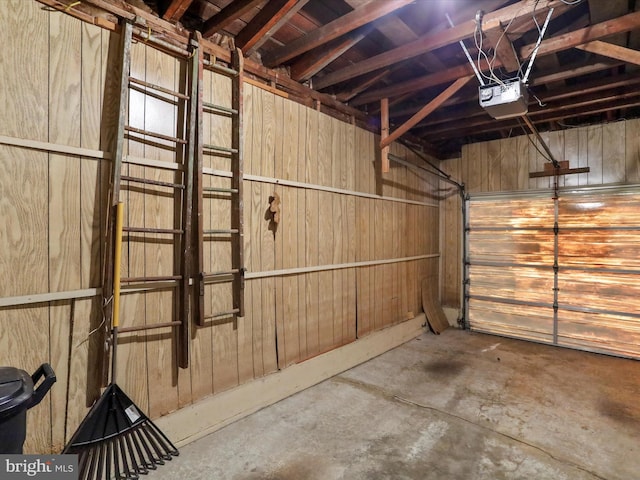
(158, 88)
(219, 190)
(148, 327)
(220, 108)
(145, 162)
(223, 314)
(152, 230)
(150, 279)
(146, 181)
(221, 68)
(155, 135)
(217, 173)
(220, 149)
(206, 276)
(231, 231)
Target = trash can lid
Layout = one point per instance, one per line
(16, 390)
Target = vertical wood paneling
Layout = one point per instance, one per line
(55, 205)
(245, 324)
(64, 197)
(302, 230)
(337, 226)
(571, 155)
(508, 164)
(583, 155)
(595, 155)
(325, 231)
(613, 152)
(256, 212)
(267, 242)
(312, 233)
(494, 165)
(283, 228)
(350, 242)
(632, 150)
(521, 162)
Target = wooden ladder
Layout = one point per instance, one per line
(233, 192)
(183, 144)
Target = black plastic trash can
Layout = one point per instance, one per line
(17, 395)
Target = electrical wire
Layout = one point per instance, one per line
(574, 2)
(478, 39)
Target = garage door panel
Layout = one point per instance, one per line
(612, 334)
(605, 248)
(533, 212)
(509, 282)
(511, 320)
(529, 247)
(601, 291)
(511, 254)
(589, 209)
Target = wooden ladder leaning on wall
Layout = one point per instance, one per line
(233, 192)
(182, 186)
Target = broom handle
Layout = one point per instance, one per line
(116, 287)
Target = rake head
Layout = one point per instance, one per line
(117, 440)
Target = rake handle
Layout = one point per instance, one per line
(116, 265)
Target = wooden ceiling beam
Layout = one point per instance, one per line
(610, 50)
(430, 42)
(268, 21)
(425, 111)
(175, 10)
(498, 40)
(605, 85)
(594, 103)
(547, 47)
(561, 91)
(312, 63)
(227, 16)
(342, 25)
(558, 43)
(363, 85)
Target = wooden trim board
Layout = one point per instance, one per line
(215, 412)
(342, 191)
(336, 266)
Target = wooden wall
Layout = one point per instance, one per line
(611, 151)
(57, 86)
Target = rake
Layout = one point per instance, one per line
(115, 439)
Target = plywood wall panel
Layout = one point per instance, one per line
(508, 164)
(494, 164)
(20, 79)
(594, 145)
(583, 155)
(24, 341)
(314, 312)
(632, 150)
(613, 152)
(64, 198)
(571, 154)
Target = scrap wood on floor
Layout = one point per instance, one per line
(435, 315)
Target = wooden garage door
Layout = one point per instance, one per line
(564, 271)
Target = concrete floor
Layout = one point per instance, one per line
(456, 406)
